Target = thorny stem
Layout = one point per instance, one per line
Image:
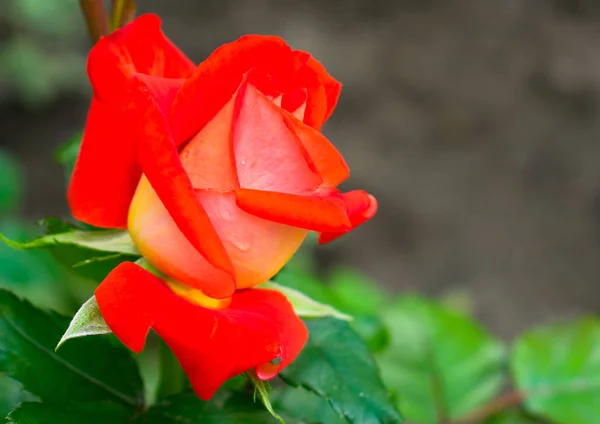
(499, 404)
(95, 18)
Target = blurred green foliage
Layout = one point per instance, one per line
(42, 45)
(438, 364)
(35, 275)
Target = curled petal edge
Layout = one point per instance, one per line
(258, 330)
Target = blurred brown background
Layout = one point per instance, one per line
(474, 122)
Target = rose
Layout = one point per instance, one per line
(218, 173)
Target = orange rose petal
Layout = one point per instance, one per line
(326, 158)
(332, 86)
(161, 241)
(159, 160)
(208, 158)
(212, 345)
(360, 206)
(315, 213)
(316, 103)
(257, 248)
(268, 154)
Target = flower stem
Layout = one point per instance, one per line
(495, 406)
(123, 12)
(172, 377)
(95, 18)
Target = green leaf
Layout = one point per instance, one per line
(263, 388)
(91, 369)
(355, 293)
(11, 393)
(11, 182)
(337, 365)
(440, 364)
(91, 254)
(87, 321)
(303, 305)
(373, 331)
(66, 155)
(92, 413)
(224, 408)
(558, 369)
(302, 405)
(116, 241)
(304, 283)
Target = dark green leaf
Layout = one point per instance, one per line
(558, 369)
(301, 405)
(346, 284)
(67, 154)
(373, 331)
(337, 365)
(11, 182)
(92, 413)
(33, 274)
(91, 369)
(11, 393)
(440, 364)
(223, 408)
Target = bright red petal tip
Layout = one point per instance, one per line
(139, 47)
(360, 206)
(212, 345)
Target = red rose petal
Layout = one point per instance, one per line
(106, 172)
(139, 47)
(315, 213)
(332, 86)
(360, 205)
(212, 345)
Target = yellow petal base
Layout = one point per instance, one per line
(196, 296)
